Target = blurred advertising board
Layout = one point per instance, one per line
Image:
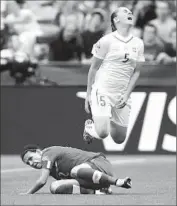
(55, 116)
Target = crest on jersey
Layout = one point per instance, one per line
(45, 158)
(98, 45)
(134, 49)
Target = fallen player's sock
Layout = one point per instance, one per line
(124, 183)
(96, 177)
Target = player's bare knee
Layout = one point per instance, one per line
(118, 132)
(102, 128)
(119, 139)
(74, 172)
(54, 186)
(119, 136)
(65, 187)
(103, 133)
(75, 169)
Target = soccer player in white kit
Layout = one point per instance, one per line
(111, 79)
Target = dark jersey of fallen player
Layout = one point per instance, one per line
(60, 160)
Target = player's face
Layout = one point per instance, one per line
(125, 16)
(33, 159)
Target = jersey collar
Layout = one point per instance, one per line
(124, 39)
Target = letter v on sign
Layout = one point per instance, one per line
(138, 99)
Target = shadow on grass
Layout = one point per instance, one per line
(113, 194)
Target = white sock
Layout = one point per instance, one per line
(119, 182)
(98, 192)
(90, 129)
(76, 189)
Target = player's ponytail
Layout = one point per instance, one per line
(113, 26)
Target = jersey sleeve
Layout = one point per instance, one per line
(100, 49)
(48, 159)
(141, 57)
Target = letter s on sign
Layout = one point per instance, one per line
(169, 142)
(152, 121)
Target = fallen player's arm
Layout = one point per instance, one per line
(40, 182)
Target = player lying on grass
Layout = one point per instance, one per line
(75, 170)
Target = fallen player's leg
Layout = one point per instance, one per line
(96, 187)
(85, 172)
(69, 186)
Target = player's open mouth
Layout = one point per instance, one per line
(130, 18)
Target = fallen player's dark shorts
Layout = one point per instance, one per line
(102, 164)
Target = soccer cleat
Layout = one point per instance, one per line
(86, 136)
(104, 191)
(124, 183)
(107, 191)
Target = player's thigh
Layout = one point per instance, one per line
(63, 186)
(69, 186)
(119, 123)
(102, 164)
(83, 183)
(102, 126)
(101, 112)
(88, 185)
(75, 169)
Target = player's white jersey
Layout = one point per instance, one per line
(120, 56)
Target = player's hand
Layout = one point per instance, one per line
(123, 101)
(87, 104)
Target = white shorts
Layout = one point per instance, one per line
(103, 105)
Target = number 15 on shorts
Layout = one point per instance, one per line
(101, 100)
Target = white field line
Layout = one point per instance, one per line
(6, 171)
(114, 162)
(127, 161)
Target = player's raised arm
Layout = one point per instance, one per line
(99, 52)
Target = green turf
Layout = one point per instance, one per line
(154, 183)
